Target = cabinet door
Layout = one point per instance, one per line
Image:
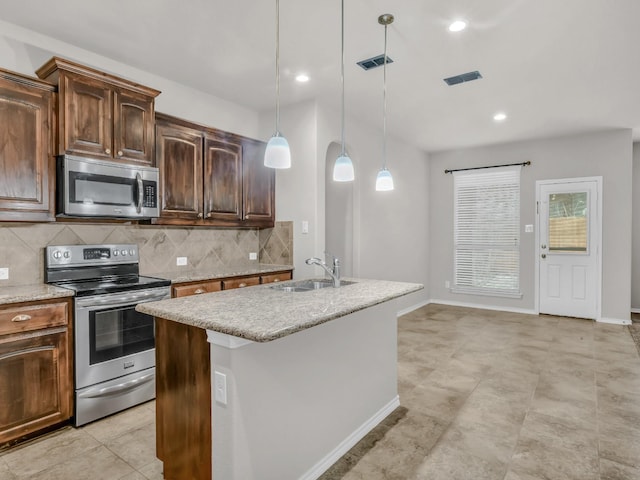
(35, 383)
(258, 187)
(133, 127)
(223, 180)
(26, 182)
(179, 158)
(88, 121)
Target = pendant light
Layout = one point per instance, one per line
(277, 154)
(343, 168)
(384, 180)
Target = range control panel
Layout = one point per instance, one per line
(78, 255)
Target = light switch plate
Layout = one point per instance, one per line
(253, 256)
(4, 274)
(305, 226)
(220, 387)
(181, 261)
(528, 228)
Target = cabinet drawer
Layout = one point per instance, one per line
(240, 282)
(33, 317)
(196, 288)
(275, 277)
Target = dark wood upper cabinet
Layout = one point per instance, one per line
(26, 122)
(179, 159)
(102, 116)
(210, 177)
(222, 179)
(258, 185)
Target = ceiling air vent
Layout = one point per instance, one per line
(374, 62)
(464, 77)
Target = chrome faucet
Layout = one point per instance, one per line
(334, 272)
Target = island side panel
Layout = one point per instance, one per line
(183, 401)
(296, 404)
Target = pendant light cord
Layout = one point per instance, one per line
(277, 68)
(342, 79)
(384, 103)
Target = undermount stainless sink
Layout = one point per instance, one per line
(308, 285)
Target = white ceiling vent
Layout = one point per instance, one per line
(374, 62)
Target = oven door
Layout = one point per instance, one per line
(111, 338)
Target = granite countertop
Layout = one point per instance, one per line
(30, 293)
(185, 275)
(263, 314)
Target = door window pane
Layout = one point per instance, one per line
(568, 222)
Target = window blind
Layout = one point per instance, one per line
(487, 231)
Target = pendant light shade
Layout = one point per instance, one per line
(277, 154)
(384, 180)
(343, 168)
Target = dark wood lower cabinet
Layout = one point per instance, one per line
(183, 401)
(36, 386)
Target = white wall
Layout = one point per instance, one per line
(607, 154)
(635, 262)
(24, 51)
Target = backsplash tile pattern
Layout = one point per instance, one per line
(22, 246)
(276, 244)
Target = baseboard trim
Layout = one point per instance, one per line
(332, 457)
(410, 309)
(481, 306)
(614, 321)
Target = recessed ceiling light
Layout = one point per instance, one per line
(302, 78)
(457, 26)
(500, 117)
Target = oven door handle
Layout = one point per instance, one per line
(118, 389)
(121, 301)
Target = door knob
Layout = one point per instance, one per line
(544, 255)
(543, 246)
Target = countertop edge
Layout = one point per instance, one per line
(32, 293)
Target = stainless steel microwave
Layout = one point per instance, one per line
(99, 188)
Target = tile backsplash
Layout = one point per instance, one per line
(22, 246)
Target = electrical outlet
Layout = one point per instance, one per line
(447, 284)
(4, 274)
(181, 261)
(253, 256)
(220, 387)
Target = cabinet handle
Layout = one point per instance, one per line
(242, 285)
(199, 291)
(21, 318)
(119, 153)
(108, 151)
(276, 280)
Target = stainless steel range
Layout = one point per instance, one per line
(114, 344)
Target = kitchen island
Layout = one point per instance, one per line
(264, 383)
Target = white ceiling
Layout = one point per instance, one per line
(555, 67)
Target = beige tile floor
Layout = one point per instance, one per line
(485, 395)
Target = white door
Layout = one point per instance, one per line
(568, 247)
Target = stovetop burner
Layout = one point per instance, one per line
(97, 269)
(113, 285)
